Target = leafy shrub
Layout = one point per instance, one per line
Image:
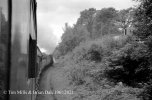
(78, 73)
(87, 59)
(107, 92)
(88, 51)
(89, 63)
(147, 91)
(130, 64)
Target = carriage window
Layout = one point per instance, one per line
(32, 58)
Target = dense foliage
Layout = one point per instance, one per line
(130, 64)
(143, 26)
(109, 50)
(92, 24)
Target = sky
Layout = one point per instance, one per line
(53, 14)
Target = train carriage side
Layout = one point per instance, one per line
(23, 50)
(18, 49)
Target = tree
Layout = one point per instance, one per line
(143, 19)
(124, 19)
(130, 64)
(71, 38)
(92, 24)
(104, 22)
(143, 26)
(86, 19)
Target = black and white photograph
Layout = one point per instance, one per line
(75, 49)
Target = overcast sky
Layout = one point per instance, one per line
(53, 14)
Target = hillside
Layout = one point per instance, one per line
(104, 56)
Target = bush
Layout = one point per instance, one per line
(88, 59)
(130, 64)
(79, 73)
(88, 51)
(92, 64)
(96, 50)
(146, 93)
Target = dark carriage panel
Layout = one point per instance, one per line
(4, 49)
(23, 49)
(19, 62)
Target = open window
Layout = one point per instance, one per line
(32, 58)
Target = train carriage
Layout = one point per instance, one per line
(18, 49)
